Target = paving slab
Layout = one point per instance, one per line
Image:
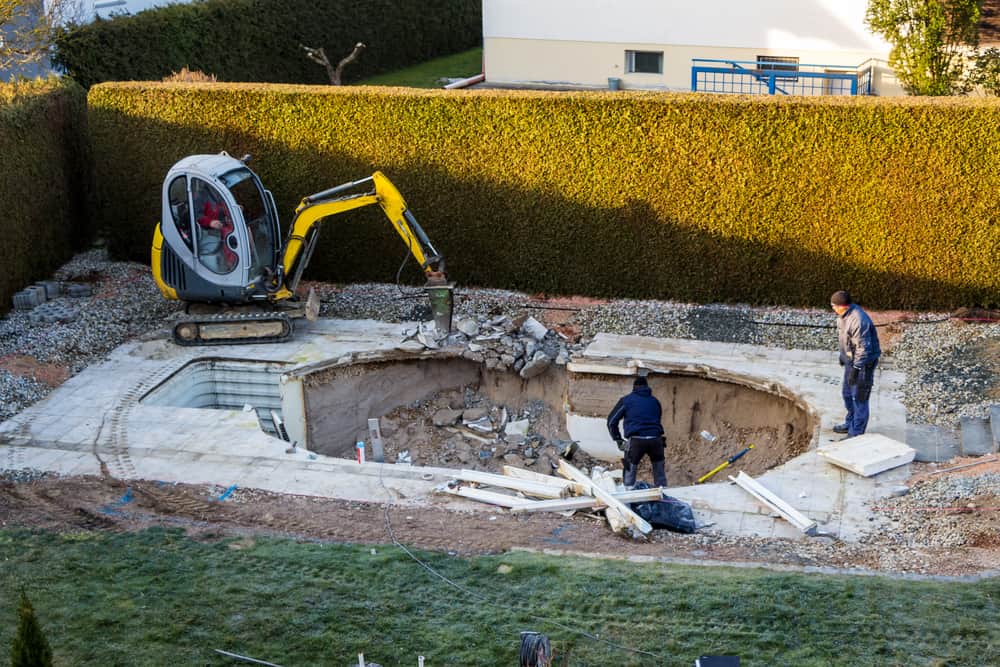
(868, 454)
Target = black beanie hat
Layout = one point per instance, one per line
(640, 382)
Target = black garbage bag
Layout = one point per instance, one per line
(669, 513)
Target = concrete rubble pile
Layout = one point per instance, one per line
(522, 344)
(523, 491)
(491, 432)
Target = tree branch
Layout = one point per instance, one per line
(334, 73)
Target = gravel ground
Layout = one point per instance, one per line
(952, 368)
(950, 511)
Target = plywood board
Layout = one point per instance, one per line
(868, 454)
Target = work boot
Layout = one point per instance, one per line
(659, 473)
(628, 476)
(840, 428)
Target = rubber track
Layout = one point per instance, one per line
(234, 319)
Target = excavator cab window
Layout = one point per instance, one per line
(213, 227)
(262, 231)
(179, 209)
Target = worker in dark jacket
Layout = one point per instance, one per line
(859, 354)
(641, 413)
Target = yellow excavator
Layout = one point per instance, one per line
(219, 243)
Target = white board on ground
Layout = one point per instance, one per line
(868, 454)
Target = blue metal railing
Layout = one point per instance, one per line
(753, 77)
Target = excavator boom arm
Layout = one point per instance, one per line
(315, 208)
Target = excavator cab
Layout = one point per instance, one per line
(219, 239)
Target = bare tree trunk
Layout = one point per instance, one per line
(319, 56)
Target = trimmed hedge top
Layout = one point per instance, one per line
(687, 196)
(260, 40)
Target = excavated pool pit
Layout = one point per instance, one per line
(326, 408)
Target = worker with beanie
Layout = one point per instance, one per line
(641, 413)
(859, 354)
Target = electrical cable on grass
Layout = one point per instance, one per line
(480, 596)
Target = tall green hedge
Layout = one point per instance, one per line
(44, 181)
(691, 197)
(259, 40)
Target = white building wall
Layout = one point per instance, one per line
(812, 25)
(583, 42)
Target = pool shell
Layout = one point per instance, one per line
(326, 406)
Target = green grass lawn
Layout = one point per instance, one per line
(160, 598)
(430, 73)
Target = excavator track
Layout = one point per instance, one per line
(233, 329)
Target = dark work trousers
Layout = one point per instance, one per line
(856, 399)
(639, 447)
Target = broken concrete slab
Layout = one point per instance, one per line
(474, 414)
(977, 436)
(534, 328)
(539, 363)
(868, 454)
(468, 326)
(446, 417)
(517, 428)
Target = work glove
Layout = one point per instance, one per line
(852, 376)
(621, 444)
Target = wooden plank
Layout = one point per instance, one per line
(526, 486)
(868, 454)
(789, 513)
(491, 497)
(587, 502)
(521, 473)
(630, 518)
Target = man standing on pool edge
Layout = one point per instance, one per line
(859, 354)
(642, 414)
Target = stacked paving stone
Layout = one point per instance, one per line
(43, 302)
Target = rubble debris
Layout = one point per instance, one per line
(446, 417)
(524, 346)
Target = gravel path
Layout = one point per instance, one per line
(952, 368)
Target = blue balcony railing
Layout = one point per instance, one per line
(749, 77)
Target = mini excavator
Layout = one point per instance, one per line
(219, 243)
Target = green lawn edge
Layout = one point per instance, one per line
(160, 597)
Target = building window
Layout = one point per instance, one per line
(779, 64)
(644, 62)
